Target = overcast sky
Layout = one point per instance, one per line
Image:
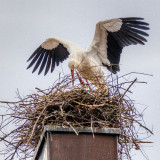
(25, 24)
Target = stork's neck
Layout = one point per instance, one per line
(76, 58)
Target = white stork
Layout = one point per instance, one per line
(104, 51)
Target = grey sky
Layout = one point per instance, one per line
(25, 24)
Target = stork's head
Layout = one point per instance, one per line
(76, 59)
(72, 64)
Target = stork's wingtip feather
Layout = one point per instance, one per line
(39, 73)
(45, 72)
(29, 67)
(146, 34)
(131, 18)
(29, 58)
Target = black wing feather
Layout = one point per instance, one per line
(124, 39)
(59, 55)
(113, 57)
(117, 38)
(56, 56)
(38, 50)
(48, 62)
(43, 62)
(39, 61)
(137, 31)
(131, 32)
(53, 61)
(34, 60)
(134, 34)
(137, 26)
(48, 58)
(131, 19)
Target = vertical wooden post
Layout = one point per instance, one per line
(58, 143)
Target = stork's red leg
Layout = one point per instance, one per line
(72, 74)
(88, 85)
(59, 76)
(100, 85)
(80, 79)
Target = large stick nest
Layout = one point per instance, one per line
(63, 105)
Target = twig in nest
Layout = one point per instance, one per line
(128, 88)
(35, 125)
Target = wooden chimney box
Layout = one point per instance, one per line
(58, 143)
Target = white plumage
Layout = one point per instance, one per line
(104, 51)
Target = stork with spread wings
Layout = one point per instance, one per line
(104, 51)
